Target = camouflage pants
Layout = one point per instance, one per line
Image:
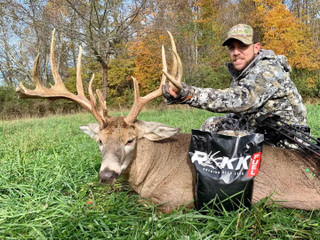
(228, 122)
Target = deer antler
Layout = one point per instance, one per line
(140, 102)
(177, 70)
(58, 90)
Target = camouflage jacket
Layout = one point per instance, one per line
(263, 86)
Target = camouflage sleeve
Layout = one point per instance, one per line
(250, 93)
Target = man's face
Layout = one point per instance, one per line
(241, 54)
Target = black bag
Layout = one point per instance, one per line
(225, 166)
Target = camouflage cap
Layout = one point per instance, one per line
(241, 32)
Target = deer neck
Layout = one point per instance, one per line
(146, 171)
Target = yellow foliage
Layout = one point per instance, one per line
(285, 34)
(146, 51)
(311, 81)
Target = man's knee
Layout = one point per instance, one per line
(216, 124)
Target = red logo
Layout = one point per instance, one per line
(254, 165)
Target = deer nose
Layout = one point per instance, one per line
(108, 176)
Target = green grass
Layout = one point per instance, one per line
(49, 190)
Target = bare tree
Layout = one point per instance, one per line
(101, 25)
(11, 57)
(24, 33)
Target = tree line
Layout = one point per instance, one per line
(121, 38)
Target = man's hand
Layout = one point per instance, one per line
(172, 92)
(169, 93)
(172, 96)
(175, 77)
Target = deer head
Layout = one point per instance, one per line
(117, 136)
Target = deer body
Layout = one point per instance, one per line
(283, 176)
(161, 170)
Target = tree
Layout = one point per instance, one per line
(285, 34)
(26, 31)
(101, 26)
(308, 12)
(119, 71)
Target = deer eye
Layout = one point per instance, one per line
(100, 142)
(130, 141)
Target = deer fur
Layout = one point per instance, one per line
(162, 172)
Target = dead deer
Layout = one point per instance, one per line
(154, 158)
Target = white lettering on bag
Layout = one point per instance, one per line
(208, 160)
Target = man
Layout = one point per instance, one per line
(260, 84)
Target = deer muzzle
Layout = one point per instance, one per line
(108, 176)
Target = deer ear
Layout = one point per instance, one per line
(155, 131)
(91, 129)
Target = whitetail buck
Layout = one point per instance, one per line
(155, 160)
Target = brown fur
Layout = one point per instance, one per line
(163, 173)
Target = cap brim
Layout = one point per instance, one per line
(243, 40)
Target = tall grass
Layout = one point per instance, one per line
(49, 190)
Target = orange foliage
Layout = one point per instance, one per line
(148, 65)
(285, 34)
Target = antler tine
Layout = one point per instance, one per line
(164, 65)
(79, 79)
(21, 90)
(180, 69)
(102, 114)
(140, 102)
(103, 108)
(174, 59)
(137, 104)
(35, 76)
(55, 73)
(93, 101)
(58, 90)
(177, 69)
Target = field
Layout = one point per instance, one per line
(49, 190)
